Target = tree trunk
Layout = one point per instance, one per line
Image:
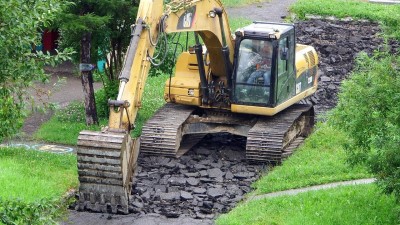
(87, 81)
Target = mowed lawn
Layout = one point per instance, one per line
(32, 175)
(350, 205)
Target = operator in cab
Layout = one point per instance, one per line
(262, 64)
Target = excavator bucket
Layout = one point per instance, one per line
(106, 164)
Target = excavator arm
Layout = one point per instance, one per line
(107, 159)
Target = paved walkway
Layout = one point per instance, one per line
(312, 188)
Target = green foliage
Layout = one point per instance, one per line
(388, 15)
(109, 91)
(20, 25)
(109, 24)
(368, 111)
(168, 65)
(320, 160)
(43, 212)
(361, 204)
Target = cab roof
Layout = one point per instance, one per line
(264, 29)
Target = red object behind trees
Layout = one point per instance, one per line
(50, 40)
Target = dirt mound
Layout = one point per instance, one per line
(338, 42)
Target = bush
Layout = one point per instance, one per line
(20, 26)
(368, 110)
(109, 91)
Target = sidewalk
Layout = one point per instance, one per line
(64, 87)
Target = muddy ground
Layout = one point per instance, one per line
(213, 177)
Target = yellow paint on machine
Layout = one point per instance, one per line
(264, 111)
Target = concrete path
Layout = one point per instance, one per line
(312, 188)
(385, 1)
(271, 11)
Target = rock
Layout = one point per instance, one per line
(146, 195)
(173, 189)
(331, 87)
(208, 204)
(160, 188)
(215, 192)
(203, 173)
(228, 175)
(199, 191)
(177, 181)
(171, 213)
(243, 175)
(192, 181)
(196, 174)
(325, 79)
(170, 196)
(137, 204)
(202, 151)
(200, 167)
(216, 172)
(186, 195)
(206, 180)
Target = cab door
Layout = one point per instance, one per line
(285, 72)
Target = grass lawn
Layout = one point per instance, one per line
(61, 132)
(32, 175)
(33, 184)
(362, 204)
(320, 160)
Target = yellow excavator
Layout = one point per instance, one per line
(216, 87)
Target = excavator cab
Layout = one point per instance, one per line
(264, 64)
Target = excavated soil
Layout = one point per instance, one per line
(214, 176)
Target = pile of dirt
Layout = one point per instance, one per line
(338, 42)
(210, 179)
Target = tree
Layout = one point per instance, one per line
(101, 25)
(21, 22)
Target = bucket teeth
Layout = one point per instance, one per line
(106, 161)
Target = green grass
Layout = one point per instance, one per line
(62, 132)
(153, 99)
(32, 175)
(320, 160)
(388, 15)
(362, 204)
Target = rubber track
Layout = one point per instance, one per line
(162, 134)
(265, 140)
